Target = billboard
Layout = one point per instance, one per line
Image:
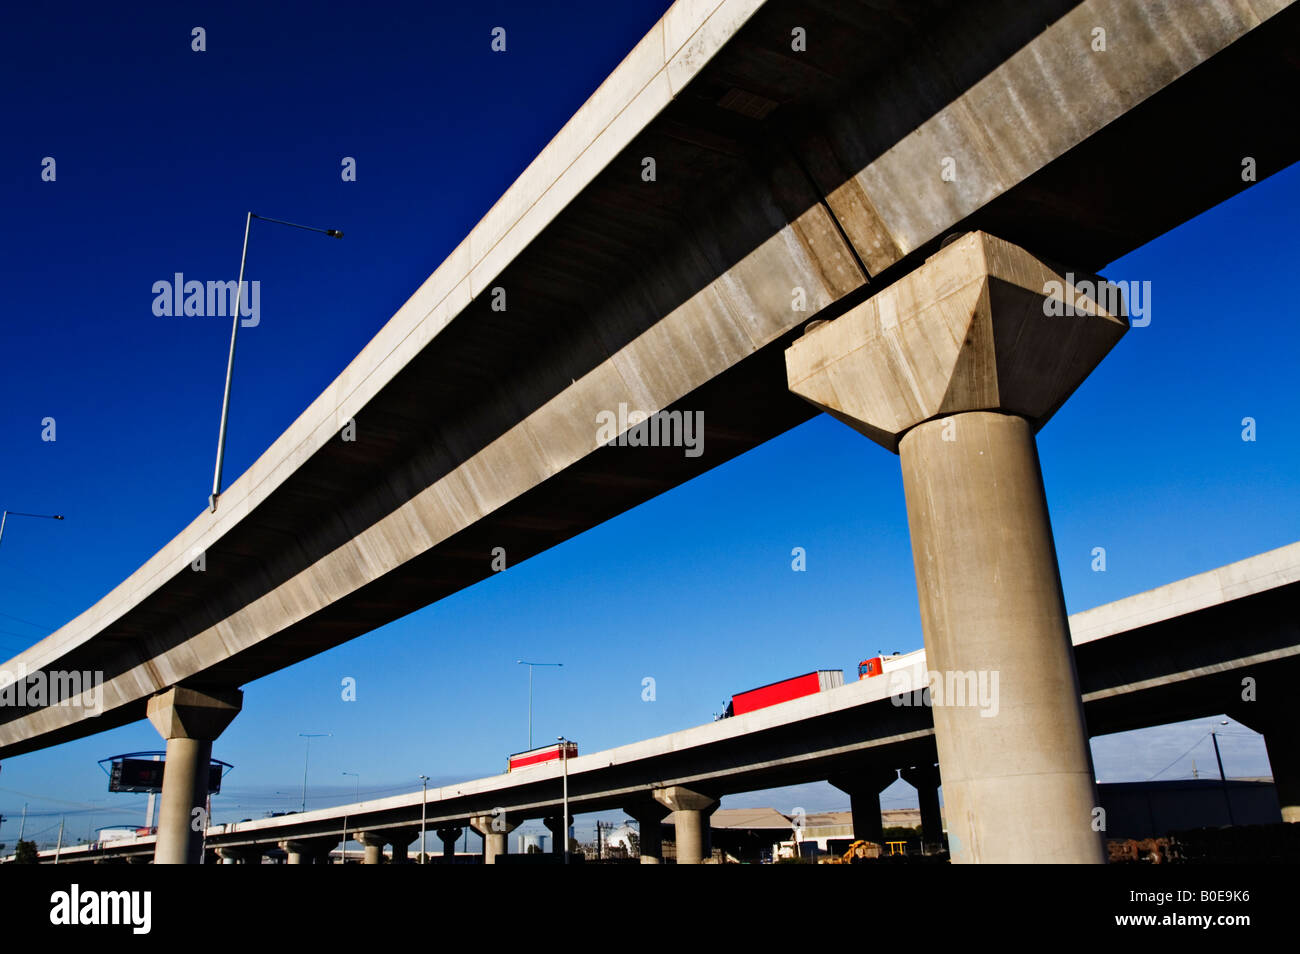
(146, 775)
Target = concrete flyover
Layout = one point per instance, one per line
(1147, 660)
(792, 182)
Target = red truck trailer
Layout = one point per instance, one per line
(547, 753)
(785, 690)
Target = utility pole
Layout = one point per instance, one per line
(564, 750)
(59, 847)
(1222, 778)
(530, 665)
(22, 826)
(424, 805)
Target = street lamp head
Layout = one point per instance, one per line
(58, 516)
(334, 233)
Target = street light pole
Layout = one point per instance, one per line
(357, 776)
(530, 665)
(309, 736)
(234, 332)
(564, 819)
(1223, 779)
(6, 514)
(424, 833)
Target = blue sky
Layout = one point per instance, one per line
(161, 150)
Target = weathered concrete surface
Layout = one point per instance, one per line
(189, 720)
(691, 811)
(495, 829)
(475, 427)
(966, 332)
(955, 366)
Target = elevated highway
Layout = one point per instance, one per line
(1177, 652)
(791, 182)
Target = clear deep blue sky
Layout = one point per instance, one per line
(161, 150)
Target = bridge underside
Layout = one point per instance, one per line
(775, 170)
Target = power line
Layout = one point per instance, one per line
(26, 621)
(1181, 757)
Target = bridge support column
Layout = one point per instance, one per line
(308, 851)
(295, 853)
(401, 839)
(691, 813)
(925, 779)
(495, 830)
(373, 842)
(449, 837)
(649, 815)
(559, 832)
(955, 367)
(189, 719)
(863, 788)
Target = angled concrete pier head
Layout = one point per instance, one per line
(190, 720)
(495, 829)
(691, 813)
(955, 367)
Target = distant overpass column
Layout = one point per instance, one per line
(559, 832)
(864, 788)
(495, 830)
(649, 815)
(296, 853)
(449, 837)
(692, 811)
(955, 367)
(373, 842)
(925, 779)
(189, 719)
(401, 840)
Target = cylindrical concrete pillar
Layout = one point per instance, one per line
(399, 850)
(864, 808)
(559, 832)
(925, 779)
(1008, 718)
(691, 813)
(449, 837)
(296, 853)
(185, 788)
(693, 844)
(864, 787)
(373, 844)
(649, 814)
(495, 829)
(189, 719)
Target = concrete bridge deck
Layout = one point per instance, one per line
(779, 173)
